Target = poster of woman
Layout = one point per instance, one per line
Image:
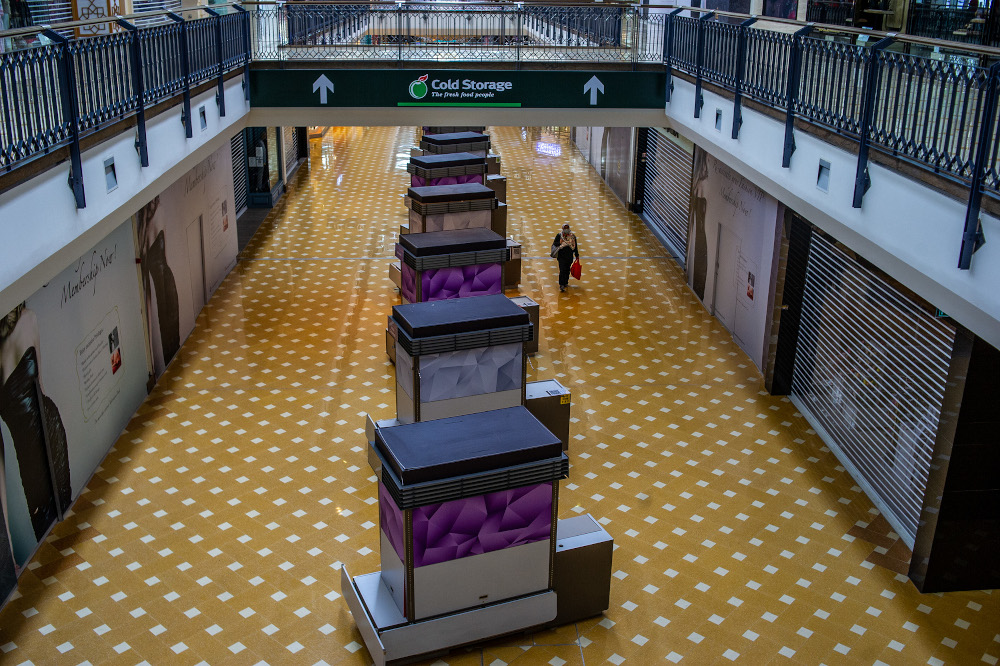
(8, 571)
(159, 286)
(698, 254)
(73, 371)
(37, 437)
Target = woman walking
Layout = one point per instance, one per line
(564, 249)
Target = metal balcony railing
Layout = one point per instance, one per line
(56, 88)
(938, 111)
(481, 31)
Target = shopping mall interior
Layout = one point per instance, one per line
(216, 527)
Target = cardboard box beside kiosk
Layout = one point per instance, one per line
(498, 219)
(512, 270)
(549, 402)
(493, 164)
(459, 356)
(531, 307)
(451, 264)
(456, 142)
(499, 185)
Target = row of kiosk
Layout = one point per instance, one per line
(470, 543)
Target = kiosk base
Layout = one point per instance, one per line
(582, 589)
(390, 639)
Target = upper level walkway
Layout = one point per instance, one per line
(930, 103)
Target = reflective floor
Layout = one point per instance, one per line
(215, 529)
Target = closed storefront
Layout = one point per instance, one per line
(291, 146)
(871, 364)
(667, 189)
(240, 176)
(50, 12)
(139, 6)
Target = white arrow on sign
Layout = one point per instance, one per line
(593, 87)
(324, 85)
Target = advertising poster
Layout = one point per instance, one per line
(8, 574)
(74, 370)
(732, 242)
(187, 246)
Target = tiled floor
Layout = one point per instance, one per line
(215, 529)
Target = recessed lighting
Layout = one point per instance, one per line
(110, 176)
(823, 176)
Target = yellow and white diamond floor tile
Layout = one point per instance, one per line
(215, 529)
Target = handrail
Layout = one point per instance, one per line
(53, 94)
(69, 25)
(934, 113)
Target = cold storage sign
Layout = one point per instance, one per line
(456, 88)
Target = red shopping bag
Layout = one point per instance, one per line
(575, 270)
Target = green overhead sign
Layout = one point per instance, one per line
(456, 88)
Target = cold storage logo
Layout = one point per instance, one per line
(458, 92)
(418, 88)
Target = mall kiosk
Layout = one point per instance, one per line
(469, 540)
(456, 142)
(459, 356)
(449, 169)
(445, 207)
(439, 265)
(448, 129)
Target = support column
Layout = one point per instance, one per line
(958, 536)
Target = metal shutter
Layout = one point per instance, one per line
(50, 12)
(291, 148)
(667, 205)
(240, 179)
(139, 6)
(870, 370)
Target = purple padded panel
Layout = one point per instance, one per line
(390, 519)
(417, 181)
(399, 251)
(438, 284)
(408, 282)
(481, 524)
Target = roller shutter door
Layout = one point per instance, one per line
(50, 12)
(139, 6)
(870, 369)
(240, 180)
(290, 144)
(668, 192)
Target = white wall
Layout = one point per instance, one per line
(43, 231)
(909, 230)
